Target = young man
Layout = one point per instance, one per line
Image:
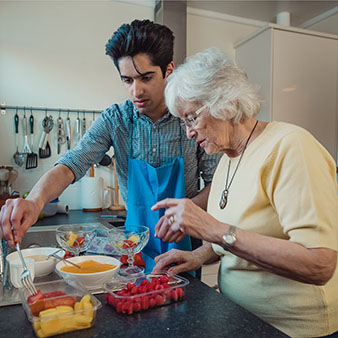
(154, 158)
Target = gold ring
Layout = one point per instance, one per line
(171, 220)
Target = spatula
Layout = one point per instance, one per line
(32, 158)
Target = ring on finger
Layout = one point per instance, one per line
(171, 220)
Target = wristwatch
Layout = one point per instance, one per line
(229, 238)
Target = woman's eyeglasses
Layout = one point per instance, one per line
(191, 119)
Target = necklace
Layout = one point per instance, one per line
(224, 197)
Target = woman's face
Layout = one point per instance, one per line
(210, 133)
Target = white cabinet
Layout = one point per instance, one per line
(297, 71)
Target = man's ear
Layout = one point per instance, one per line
(170, 69)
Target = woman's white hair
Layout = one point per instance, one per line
(211, 79)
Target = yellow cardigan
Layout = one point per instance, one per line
(285, 187)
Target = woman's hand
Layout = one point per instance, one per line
(177, 261)
(182, 217)
(16, 216)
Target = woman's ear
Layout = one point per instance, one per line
(170, 69)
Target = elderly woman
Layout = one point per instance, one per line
(272, 210)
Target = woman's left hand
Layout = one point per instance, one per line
(182, 216)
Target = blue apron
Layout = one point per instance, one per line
(148, 185)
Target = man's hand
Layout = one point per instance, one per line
(182, 260)
(16, 216)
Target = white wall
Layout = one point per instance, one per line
(209, 29)
(53, 55)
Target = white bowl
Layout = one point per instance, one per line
(90, 280)
(42, 267)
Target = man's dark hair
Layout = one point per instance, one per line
(155, 40)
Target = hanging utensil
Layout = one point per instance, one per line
(26, 149)
(19, 158)
(68, 131)
(32, 158)
(78, 129)
(61, 139)
(44, 147)
(83, 124)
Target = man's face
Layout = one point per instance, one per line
(145, 84)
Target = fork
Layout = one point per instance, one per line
(26, 279)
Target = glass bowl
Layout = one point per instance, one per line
(129, 242)
(75, 238)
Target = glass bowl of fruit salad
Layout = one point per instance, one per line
(75, 238)
(129, 241)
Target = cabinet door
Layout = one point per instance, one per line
(304, 84)
(254, 55)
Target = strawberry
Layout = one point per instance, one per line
(119, 304)
(159, 299)
(180, 293)
(130, 286)
(145, 282)
(155, 281)
(136, 306)
(164, 279)
(152, 302)
(145, 302)
(174, 295)
(127, 307)
(138, 260)
(142, 289)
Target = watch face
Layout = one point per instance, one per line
(230, 239)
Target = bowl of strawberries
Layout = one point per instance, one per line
(145, 293)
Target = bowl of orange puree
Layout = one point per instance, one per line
(92, 271)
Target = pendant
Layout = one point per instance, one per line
(224, 199)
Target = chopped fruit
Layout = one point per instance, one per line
(64, 309)
(62, 318)
(32, 299)
(70, 242)
(138, 260)
(73, 236)
(128, 244)
(77, 306)
(134, 238)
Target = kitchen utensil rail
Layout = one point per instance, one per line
(56, 110)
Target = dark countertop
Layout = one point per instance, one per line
(79, 216)
(203, 313)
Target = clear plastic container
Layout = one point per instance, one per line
(53, 315)
(145, 293)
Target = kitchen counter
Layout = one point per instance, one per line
(203, 313)
(79, 216)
